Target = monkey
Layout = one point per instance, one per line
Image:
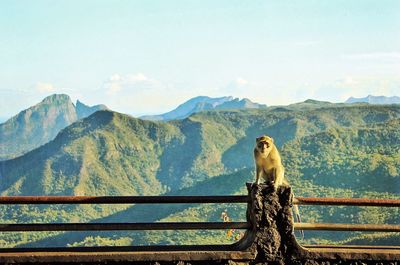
(269, 166)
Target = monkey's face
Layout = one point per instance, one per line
(264, 144)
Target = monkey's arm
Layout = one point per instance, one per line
(279, 174)
(258, 167)
(259, 172)
(285, 182)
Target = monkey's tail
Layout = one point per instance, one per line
(297, 214)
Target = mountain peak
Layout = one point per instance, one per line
(83, 110)
(56, 98)
(314, 101)
(371, 99)
(79, 103)
(40, 123)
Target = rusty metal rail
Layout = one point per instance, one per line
(10, 200)
(123, 226)
(121, 199)
(187, 199)
(348, 227)
(346, 202)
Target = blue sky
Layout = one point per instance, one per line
(144, 57)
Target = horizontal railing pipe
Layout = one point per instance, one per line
(348, 227)
(123, 226)
(121, 199)
(192, 225)
(346, 202)
(187, 199)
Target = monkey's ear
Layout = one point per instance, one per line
(258, 139)
(272, 139)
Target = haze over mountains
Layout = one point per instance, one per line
(39, 124)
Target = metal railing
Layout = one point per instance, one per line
(347, 202)
(121, 199)
(12, 200)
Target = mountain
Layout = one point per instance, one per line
(239, 104)
(148, 157)
(375, 100)
(105, 154)
(83, 111)
(108, 153)
(39, 124)
(186, 109)
(203, 103)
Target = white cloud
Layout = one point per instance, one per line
(139, 77)
(139, 94)
(113, 88)
(115, 77)
(237, 87)
(117, 83)
(240, 81)
(45, 88)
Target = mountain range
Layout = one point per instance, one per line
(329, 150)
(375, 100)
(39, 124)
(203, 103)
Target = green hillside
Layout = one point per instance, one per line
(328, 150)
(111, 153)
(362, 159)
(105, 154)
(353, 175)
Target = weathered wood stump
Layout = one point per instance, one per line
(270, 214)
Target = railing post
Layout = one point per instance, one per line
(270, 214)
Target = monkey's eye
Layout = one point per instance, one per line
(261, 144)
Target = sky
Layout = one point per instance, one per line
(147, 57)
